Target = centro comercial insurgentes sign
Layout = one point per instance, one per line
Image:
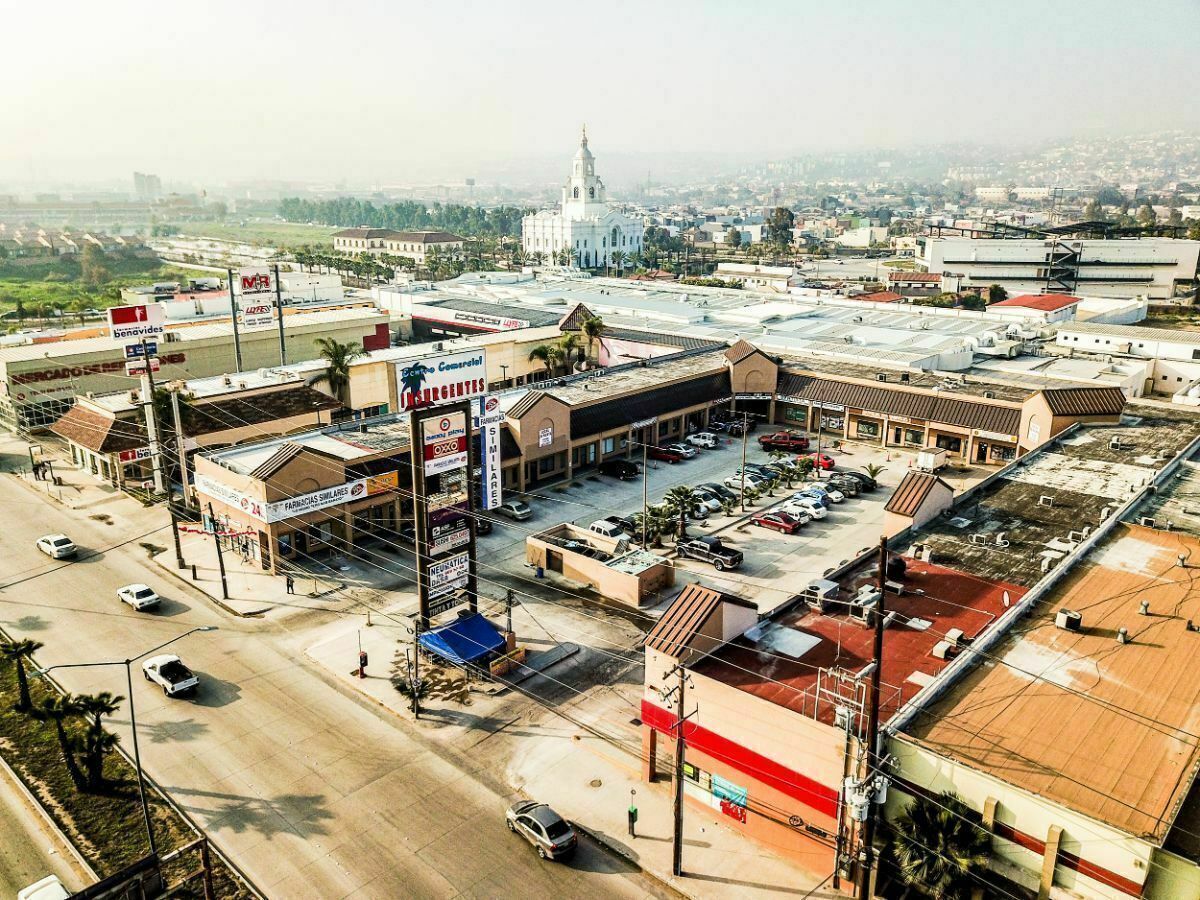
(441, 378)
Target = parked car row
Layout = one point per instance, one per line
(681, 450)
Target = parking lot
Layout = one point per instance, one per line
(775, 565)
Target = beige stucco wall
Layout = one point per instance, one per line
(624, 587)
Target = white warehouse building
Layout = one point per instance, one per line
(584, 224)
(1133, 267)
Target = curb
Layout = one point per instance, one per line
(219, 603)
(33, 801)
(617, 851)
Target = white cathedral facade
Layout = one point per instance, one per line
(584, 224)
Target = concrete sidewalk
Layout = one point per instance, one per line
(580, 756)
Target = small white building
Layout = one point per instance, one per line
(584, 224)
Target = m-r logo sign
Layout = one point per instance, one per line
(252, 284)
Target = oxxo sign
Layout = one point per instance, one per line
(445, 443)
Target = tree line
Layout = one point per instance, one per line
(406, 215)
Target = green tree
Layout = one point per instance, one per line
(93, 270)
(570, 346)
(873, 470)
(1146, 215)
(779, 226)
(557, 357)
(655, 524)
(60, 710)
(618, 261)
(940, 848)
(97, 742)
(804, 467)
(996, 293)
(593, 332)
(1175, 216)
(338, 359)
(733, 238)
(17, 653)
(680, 501)
(789, 474)
(541, 353)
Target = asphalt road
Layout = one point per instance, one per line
(29, 849)
(313, 792)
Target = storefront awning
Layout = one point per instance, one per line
(463, 641)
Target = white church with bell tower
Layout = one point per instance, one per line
(584, 225)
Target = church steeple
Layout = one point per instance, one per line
(583, 187)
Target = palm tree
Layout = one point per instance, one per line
(16, 653)
(557, 356)
(680, 500)
(80, 305)
(59, 710)
(804, 467)
(569, 343)
(873, 470)
(618, 260)
(655, 524)
(778, 456)
(97, 742)
(541, 353)
(939, 848)
(593, 330)
(338, 357)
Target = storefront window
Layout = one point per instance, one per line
(1003, 454)
(865, 428)
(285, 544)
(914, 436)
(795, 414)
(950, 443)
(609, 445)
(833, 423)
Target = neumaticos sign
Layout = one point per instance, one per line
(441, 379)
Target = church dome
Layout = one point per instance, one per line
(583, 152)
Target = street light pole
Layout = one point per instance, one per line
(137, 756)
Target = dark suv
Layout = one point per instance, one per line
(710, 549)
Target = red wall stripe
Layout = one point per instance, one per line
(787, 781)
(1029, 842)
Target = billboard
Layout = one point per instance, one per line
(281, 509)
(487, 421)
(450, 574)
(444, 442)
(139, 367)
(441, 378)
(256, 280)
(143, 320)
(256, 312)
(134, 351)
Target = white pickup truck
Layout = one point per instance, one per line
(171, 674)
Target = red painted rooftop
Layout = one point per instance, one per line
(1042, 302)
(880, 297)
(946, 598)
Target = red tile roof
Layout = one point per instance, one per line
(879, 297)
(1042, 302)
(931, 277)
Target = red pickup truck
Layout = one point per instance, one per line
(783, 440)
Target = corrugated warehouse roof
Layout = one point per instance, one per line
(912, 491)
(1107, 401)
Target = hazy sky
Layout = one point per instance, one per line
(397, 91)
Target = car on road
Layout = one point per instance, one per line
(57, 546)
(750, 480)
(483, 525)
(169, 673)
(624, 469)
(811, 506)
(685, 450)
(551, 835)
(710, 549)
(517, 510)
(139, 596)
(705, 439)
(718, 489)
(665, 454)
(822, 461)
(783, 522)
(783, 440)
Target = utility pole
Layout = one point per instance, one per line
(180, 452)
(872, 750)
(645, 494)
(151, 419)
(212, 519)
(745, 439)
(509, 597)
(233, 309)
(279, 313)
(415, 683)
(680, 746)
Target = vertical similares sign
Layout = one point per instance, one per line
(487, 422)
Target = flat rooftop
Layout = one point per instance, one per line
(639, 377)
(949, 384)
(795, 658)
(1110, 730)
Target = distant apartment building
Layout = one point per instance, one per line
(377, 241)
(1097, 268)
(146, 187)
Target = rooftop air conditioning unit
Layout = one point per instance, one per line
(881, 376)
(989, 395)
(1045, 500)
(1068, 620)
(904, 376)
(1146, 521)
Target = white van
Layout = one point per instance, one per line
(704, 439)
(606, 529)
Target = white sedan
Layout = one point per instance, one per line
(139, 596)
(806, 505)
(57, 546)
(834, 495)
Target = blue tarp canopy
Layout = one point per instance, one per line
(464, 640)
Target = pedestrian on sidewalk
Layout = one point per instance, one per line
(291, 583)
